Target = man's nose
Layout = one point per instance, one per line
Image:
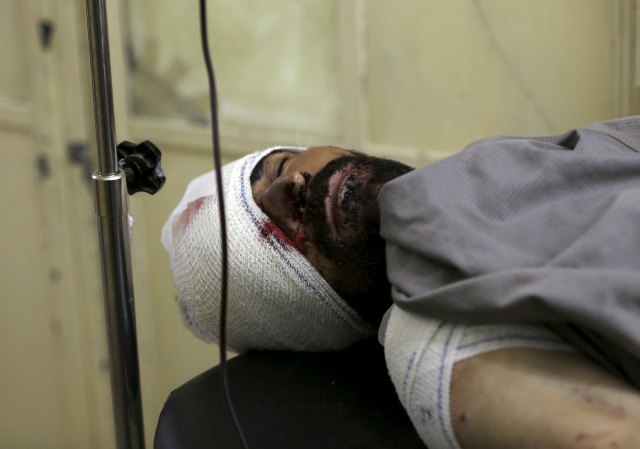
(281, 202)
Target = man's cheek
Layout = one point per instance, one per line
(324, 266)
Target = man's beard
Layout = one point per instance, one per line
(361, 246)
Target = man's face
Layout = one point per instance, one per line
(325, 201)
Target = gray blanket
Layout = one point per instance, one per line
(527, 229)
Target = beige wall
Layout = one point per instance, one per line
(486, 67)
(414, 80)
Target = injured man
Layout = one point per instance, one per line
(503, 281)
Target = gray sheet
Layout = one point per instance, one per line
(527, 229)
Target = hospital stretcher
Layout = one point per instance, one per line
(286, 400)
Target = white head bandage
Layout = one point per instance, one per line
(277, 299)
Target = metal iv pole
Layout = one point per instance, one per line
(111, 203)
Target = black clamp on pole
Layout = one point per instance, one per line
(142, 166)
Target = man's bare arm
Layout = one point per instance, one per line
(530, 398)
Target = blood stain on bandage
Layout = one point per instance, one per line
(269, 229)
(190, 211)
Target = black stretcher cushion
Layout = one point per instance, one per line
(286, 400)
